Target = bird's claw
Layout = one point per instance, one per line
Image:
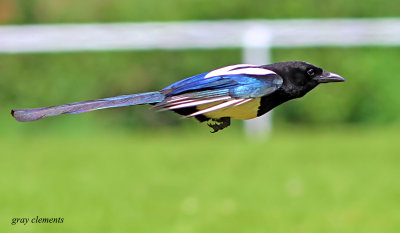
(219, 124)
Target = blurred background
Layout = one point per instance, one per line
(329, 165)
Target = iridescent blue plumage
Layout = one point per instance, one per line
(239, 85)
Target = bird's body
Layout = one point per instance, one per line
(244, 111)
(234, 92)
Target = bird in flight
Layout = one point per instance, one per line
(234, 92)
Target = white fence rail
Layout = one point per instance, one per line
(205, 35)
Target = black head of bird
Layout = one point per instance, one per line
(234, 92)
(301, 77)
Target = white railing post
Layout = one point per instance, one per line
(257, 50)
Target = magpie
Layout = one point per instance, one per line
(240, 91)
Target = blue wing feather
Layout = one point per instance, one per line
(255, 86)
(197, 83)
(239, 85)
(184, 82)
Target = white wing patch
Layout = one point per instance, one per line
(191, 103)
(244, 101)
(239, 69)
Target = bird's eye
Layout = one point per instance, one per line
(311, 72)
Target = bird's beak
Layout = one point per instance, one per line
(327, 77)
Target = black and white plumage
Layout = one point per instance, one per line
(234, 92)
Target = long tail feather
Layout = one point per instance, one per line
(34, 114)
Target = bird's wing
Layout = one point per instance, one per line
(228, 86)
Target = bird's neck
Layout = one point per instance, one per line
(271, 101)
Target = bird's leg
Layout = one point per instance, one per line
(218, 124)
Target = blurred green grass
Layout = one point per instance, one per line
(61, 11)
(298, 180)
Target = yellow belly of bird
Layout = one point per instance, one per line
(243, 112)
